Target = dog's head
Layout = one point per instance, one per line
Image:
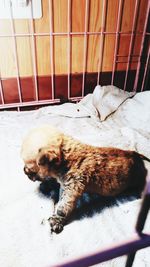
(41, 153)
(31, 169)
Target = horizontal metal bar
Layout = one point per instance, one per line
(127, 55)
(76, 98)
(131, 61)
(29, 103)
(38, 103)
(137, 242)
(66, 33)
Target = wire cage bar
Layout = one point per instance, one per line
(138, 241)
(33, 53)
(71, 33)
(117, 39)
(142, 46)
(1, 91)
(102, 36)
(69, 46)
(117, 58)
(131, 41)
(15, 55)
(85, 45)
(146, 69)
(51, 46)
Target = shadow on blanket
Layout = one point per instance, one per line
(89, 204)
(50, 188)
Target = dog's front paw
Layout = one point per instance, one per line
(56, 223)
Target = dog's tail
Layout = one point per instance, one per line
(140, 172)
(144, 157)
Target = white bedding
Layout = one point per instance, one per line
(25, 238)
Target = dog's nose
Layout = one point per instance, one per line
(31, 175)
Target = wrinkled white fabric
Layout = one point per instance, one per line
(107, 99)
(25, 238)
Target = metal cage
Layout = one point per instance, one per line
(139, 76)
(140, 82)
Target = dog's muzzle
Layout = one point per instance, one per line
(33, 176)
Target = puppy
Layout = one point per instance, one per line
(78, 168)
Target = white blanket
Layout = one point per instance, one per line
(25, 238)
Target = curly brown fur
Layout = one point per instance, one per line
(79, 168)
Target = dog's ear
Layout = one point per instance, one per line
(49, 155)
(42, 160)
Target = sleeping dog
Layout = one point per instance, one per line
(79, 168)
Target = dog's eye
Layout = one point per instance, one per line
(53, 162)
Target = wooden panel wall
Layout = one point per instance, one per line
(60, 25)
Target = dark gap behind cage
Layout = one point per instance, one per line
(44, 87)
(61, 83)
(143, 62)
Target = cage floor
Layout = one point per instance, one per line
(24, 229)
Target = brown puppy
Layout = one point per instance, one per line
(78, 168)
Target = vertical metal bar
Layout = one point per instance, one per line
(51, 46)
(69, 46)
(1, 92)
(146, 68)
(85, 44)
(137, 242)
(141, 219)
(141, 49)
(130, 259)
(131, 41)
(144, 209)
(101, 45)
(117, 38)
(34, 54)
(15, 52)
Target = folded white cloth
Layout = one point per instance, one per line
(107, 99)
(25, 238)
(104, 101)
